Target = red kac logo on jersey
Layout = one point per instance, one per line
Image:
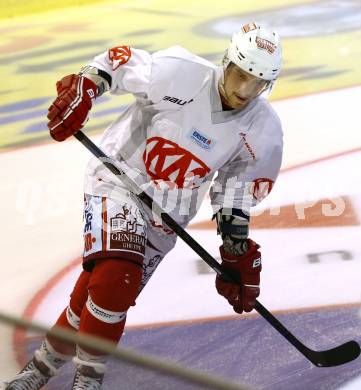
(261, 188)
(167, 161)
(121, 54)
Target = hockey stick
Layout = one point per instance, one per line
(342, 354)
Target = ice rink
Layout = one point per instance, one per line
(309, 226)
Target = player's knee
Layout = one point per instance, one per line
(79, 296)
(113, 287)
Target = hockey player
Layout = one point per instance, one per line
(190, 120)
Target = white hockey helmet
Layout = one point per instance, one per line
(256, 50)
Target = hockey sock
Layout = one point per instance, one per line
(70, 317)
(112, 289)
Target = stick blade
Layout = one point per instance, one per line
(342, 354)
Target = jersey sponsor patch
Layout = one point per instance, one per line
(126, 221)
(89, 240)
(126, 232)
(201, 139)
(119, 55)
(261, 188)
(167, 161)
(128, 242)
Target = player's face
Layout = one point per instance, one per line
(240, 87)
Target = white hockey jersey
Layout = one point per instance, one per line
(175, 133)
